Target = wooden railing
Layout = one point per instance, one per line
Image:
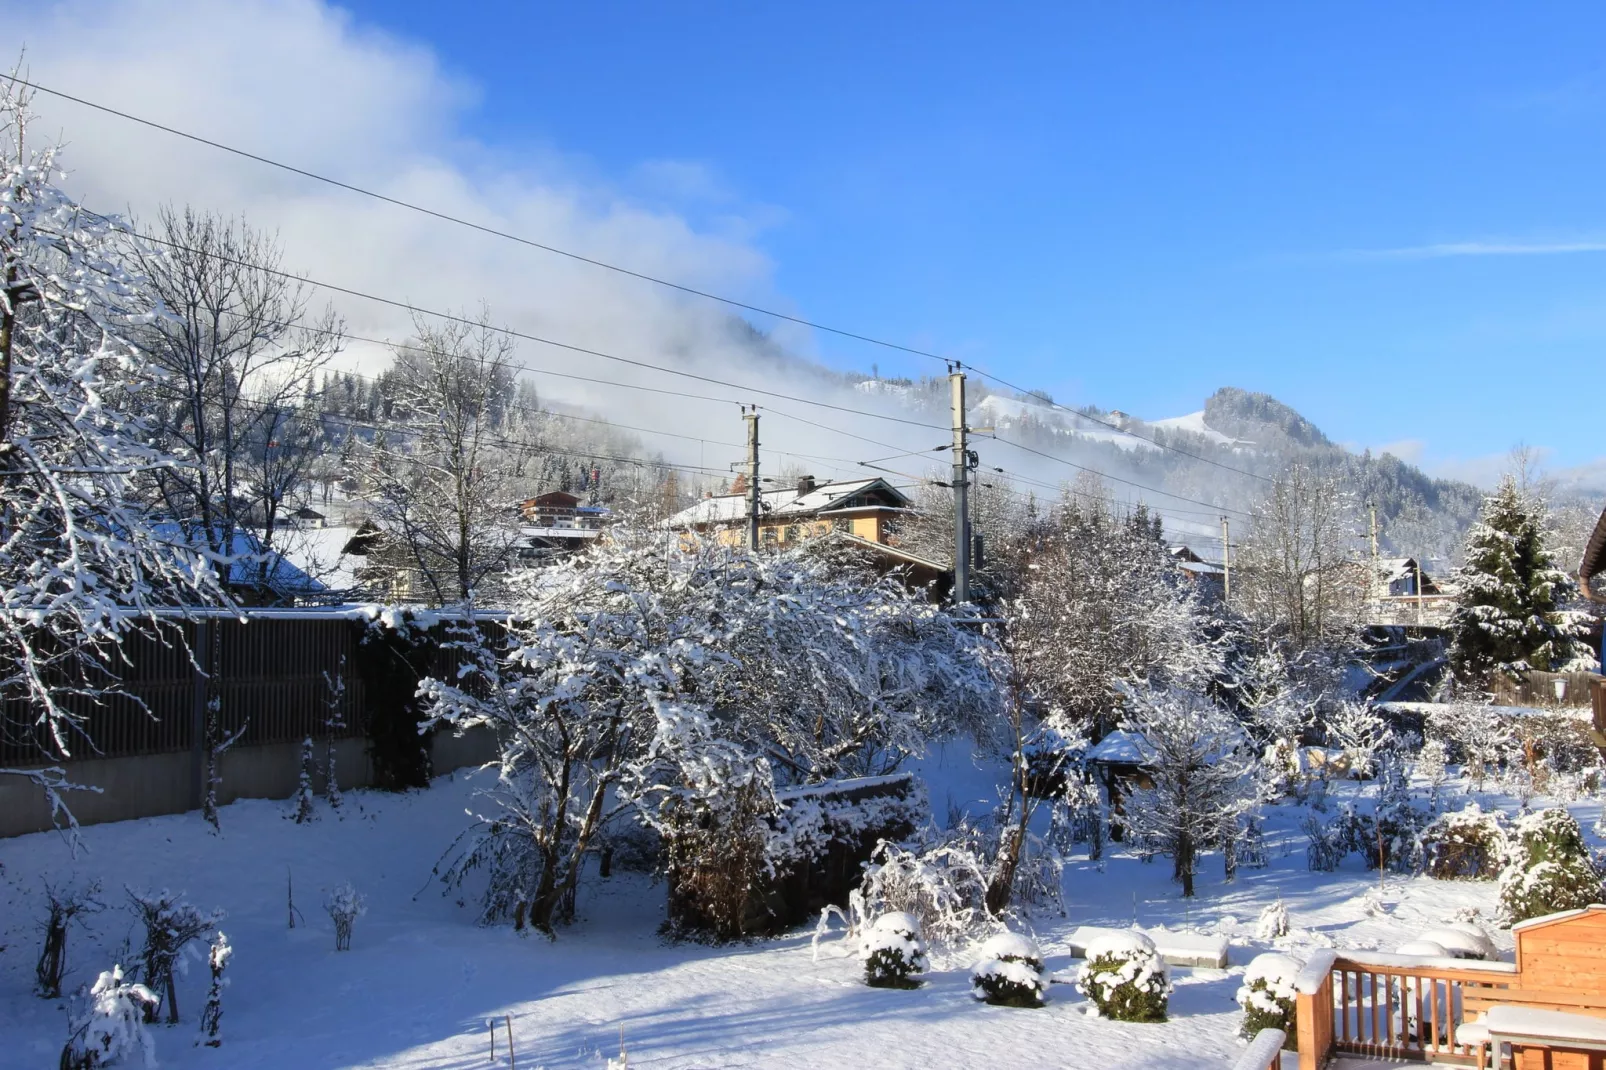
(1265, 1052)
(1394, 1006)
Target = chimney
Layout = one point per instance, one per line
(805, 484)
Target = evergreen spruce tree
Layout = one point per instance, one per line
(1509, 616)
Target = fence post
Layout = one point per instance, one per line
(197, 714)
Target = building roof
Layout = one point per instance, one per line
(1121, 747)
(1595, 558)
(784, 503)
(1551, 919)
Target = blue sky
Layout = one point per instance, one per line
(1391, 219)
(1352, 207)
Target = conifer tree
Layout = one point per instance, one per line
(1510, 617)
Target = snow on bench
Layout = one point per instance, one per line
(1176, 949)
(1532, 1026)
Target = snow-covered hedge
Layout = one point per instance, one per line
(1549, 868)
(1466, 844)
(1125, 978)
(1268, 995)
(893, 952)
(1010, 972)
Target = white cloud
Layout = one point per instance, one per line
(303, 82)
(1481, 248)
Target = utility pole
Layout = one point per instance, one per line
(1226, 562)
(1371, 587)
(750, 414)
(956, 380)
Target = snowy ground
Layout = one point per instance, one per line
(421, 979)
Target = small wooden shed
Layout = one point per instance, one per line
(1565, 952)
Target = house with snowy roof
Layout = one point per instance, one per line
(861, 513)
(1209, 575)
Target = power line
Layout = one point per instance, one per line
(1119, 479)
(482, 228)
(450, 317)
(595, 262)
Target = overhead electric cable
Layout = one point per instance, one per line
(595, 262)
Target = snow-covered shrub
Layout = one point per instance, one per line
(1009, 972)
(1358, 732)
(1460, 940)
(304, 809)
(1125, 978)
(217, 960)
(110, 1026)
(893, 952)
(63, 906)
(170, 925)
(943, 887)
(1327, 845)
(1549, 868)
(1273, 922)
(1267, 996)
(1465, 844)
(1396, 822)
(344, 906)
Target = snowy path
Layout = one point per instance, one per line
(422, 979)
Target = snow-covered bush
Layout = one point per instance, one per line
(893, 952)
(1009, 972)
(943, 887)
(1459, 940)
(1327, 846)
(1273, 922)
(1358, 732)
(1125, 978)
(217, 960)
(1465, 844)
(110, 1026)
(344, 905)
(305, 808)
(1549, 868)
(1267, 996)
(170, 926)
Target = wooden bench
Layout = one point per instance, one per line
(1546, 1030)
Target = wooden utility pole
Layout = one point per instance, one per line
(1371, 587)
(754, 501)
(956, 380)
(1226, 561)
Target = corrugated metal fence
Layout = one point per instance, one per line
(271, 681)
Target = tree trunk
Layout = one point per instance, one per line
(1185, 863)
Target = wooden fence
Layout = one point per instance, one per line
(1545, 689)
(1393, 1006)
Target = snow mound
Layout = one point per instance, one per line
(1275, 969)
(1420, 948)
(1461, 941)
(1010, 946)
(1119, 942)
(897, 921)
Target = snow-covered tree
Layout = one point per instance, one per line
(1268, 997)
(305, 808)
(1299, 570)
(1202, 782)
(80, 562)
(110, 1027)
(1358, 732)
(1483, 736)
(663, 674)
(1511, 613)
(893, 952)
(440, 483)
(237, 354)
